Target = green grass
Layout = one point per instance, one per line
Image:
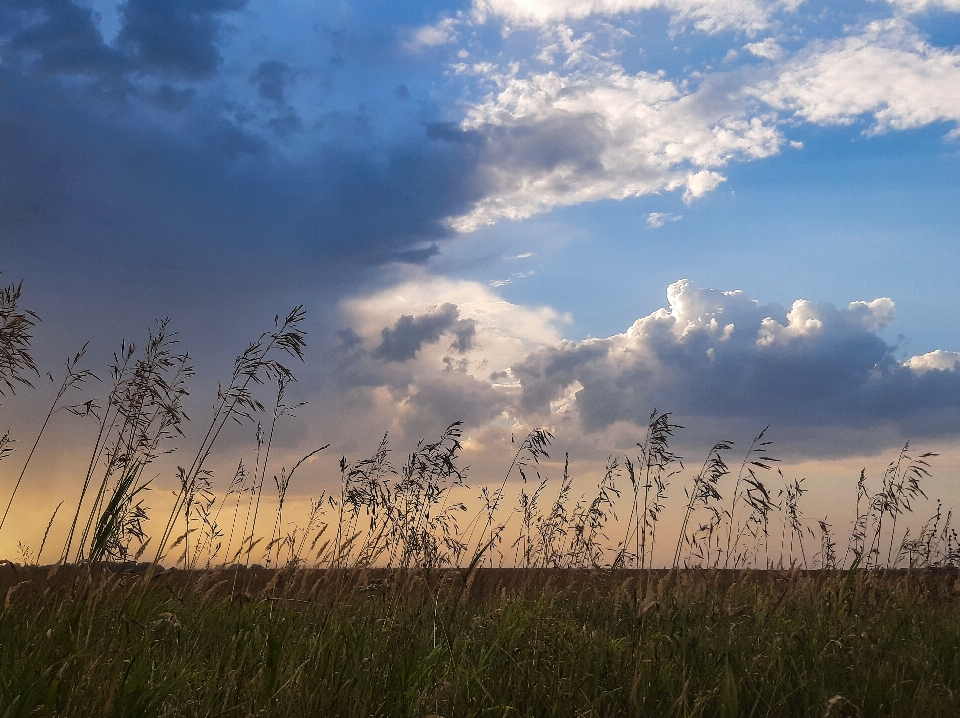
(555, 643)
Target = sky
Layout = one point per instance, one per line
(515, 213)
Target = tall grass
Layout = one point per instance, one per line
(92, 640)
(391, 597)
(418, 515)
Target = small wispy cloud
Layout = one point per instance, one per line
(525, 255)
(768, 49)
(516, 275)
(442, 33)
(658, 219)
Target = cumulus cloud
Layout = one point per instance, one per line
(721, 356)
(395, 359)
(887, 72)
(711, 16)
(938, 360)
(720, 361)
(552, 139)
(588, 129)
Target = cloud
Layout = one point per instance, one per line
(919, 6)
(56, 37)
(423, 38)
(720, 357)
(887, 72)
(144, 152)
(393, 360)
(502, 332)
(724, 364)
(402, 341)
(552, 139)
(657, 219)
(175, 36)
(937, 360)
(271, 79)
(710, 16)
(769, 49)
(590, 130)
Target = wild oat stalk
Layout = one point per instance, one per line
(16, 324)
(703, 493)
(283, 483)
(751, 491)
(235, 401)
(5, 445)
(654, 462)
(73, 379)
(364, 487)
(144, 410)
(424, 532)
(280, 409)
(793, 518)
(531, 450)
(587, 521)
(899, 488)
(856, 544)
(552, 529)
(530, 518)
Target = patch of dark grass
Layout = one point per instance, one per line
(101, 641)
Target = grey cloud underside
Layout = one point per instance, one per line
(90, 171)
(402, 341)
(271, 79)
(433, 398)
(177, 36)
(841, 376)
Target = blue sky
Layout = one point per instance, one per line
(484, 206)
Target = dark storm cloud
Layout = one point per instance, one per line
(95, 180)
(172, 99)
(403, 340)
(56, 37)
(165, 36)
(177, 36)
(722, 356)
(271, 79)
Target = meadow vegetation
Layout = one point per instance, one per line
(97, 640)
(393, 598)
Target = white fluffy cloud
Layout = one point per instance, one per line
(719, 360)
(587, 129)
(443, 32)
(505, 332)
(887, 71)
(915, 6)
(439, 378)
(552, 139)
(938, 360)
(718, 356)
(749, 16)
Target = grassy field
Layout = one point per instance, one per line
(85, 641)
(375, 605)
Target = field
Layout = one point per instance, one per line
(391, 597)
(104, 641)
